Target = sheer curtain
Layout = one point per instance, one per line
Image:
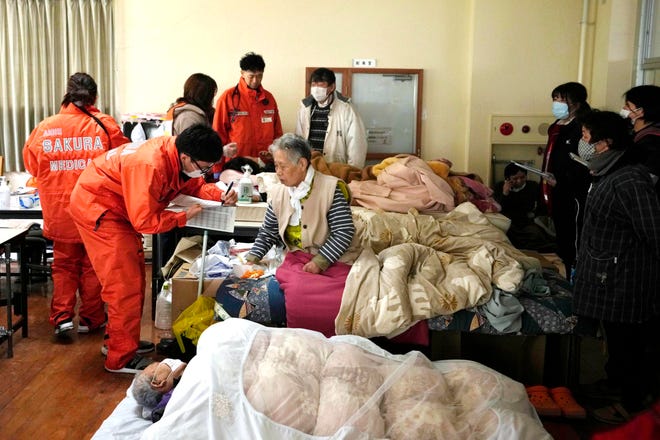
(42, 43)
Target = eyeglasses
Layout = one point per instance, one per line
(205, 169)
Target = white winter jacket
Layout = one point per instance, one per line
(346, 138)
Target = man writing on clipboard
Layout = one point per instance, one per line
(124, 194)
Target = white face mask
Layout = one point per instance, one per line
(320, 94)
(193, 174)
(625, 113)
(560, 110)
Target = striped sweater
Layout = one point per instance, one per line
(326, 227)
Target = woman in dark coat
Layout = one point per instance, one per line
(565, 195)
(642, 107)
(618, 266)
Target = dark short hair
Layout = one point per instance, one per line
(200, 142)
(294, 145)
(606, 125)
(81, 88)
(647, 97)
(323, 75)
(253, 62)
(512, 169)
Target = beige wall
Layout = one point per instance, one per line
(478, 57)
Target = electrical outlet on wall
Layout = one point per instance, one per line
(364, 62)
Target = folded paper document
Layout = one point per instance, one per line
(543, 174)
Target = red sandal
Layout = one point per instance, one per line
(540, 398)
(569, 407)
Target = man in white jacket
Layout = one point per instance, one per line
(329, 122)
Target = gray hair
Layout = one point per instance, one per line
(294, 145)
(142, 391)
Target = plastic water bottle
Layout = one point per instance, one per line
(245, 185)
(164, 307)
(5, 193)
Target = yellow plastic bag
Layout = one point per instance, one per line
(194, 320)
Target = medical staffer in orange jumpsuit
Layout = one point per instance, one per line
(56, 152)
(122, 195)
(247, 113)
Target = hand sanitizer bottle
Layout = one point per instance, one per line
(245, 185)
(5, 193)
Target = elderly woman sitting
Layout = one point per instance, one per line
(309, 213)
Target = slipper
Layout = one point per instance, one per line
(539, 397)
(614, 414)
(569, 407)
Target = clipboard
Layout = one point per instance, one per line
(215, 216)
(543, 174)
(578, 159)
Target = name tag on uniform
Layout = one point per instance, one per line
(269, 112)
(239, 113)
(266, 119)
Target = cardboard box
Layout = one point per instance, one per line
(184, 289)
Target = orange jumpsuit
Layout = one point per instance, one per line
(56, 152)
(120, 196)
(248, 117)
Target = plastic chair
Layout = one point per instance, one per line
(39, 252)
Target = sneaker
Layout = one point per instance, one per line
(63, 327)
(135, 365)
(84, 327)
(143, 347)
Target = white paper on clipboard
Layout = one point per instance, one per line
(543, 174)
(215, 216)
(215, 219)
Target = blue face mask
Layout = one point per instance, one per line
(560, 110)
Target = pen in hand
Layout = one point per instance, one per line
(227, 190)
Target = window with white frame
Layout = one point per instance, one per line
(649, 48)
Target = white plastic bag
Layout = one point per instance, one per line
(138, 133)
(215, 266)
